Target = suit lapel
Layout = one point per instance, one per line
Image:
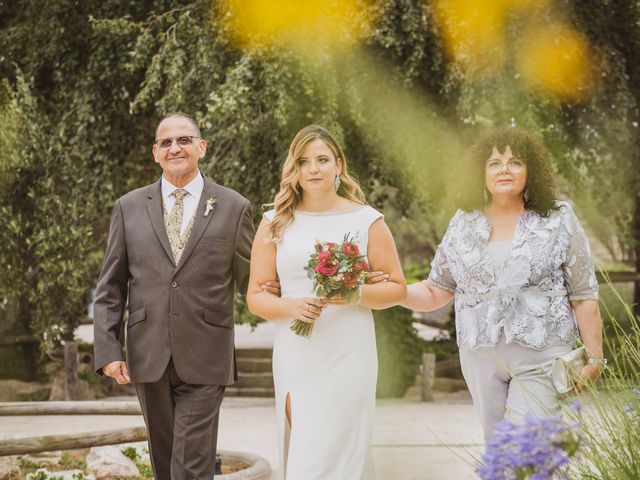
(200, 222)
(156, 215)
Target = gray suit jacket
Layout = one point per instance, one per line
(182, 311)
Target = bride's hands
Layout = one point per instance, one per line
(307, 309)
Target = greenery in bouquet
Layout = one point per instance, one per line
(337, 269)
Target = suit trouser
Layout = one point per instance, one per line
(510, 381)
(182, 426)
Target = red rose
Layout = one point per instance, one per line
(350, 249)
(327, 268)
(350, 278)
(330, 245)
(323, 256)
(360, 266)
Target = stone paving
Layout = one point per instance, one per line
(413, 440)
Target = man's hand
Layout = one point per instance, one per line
(376, 277)
(117, 370)
(272, 286)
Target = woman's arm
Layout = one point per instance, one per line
(391, 287)
(425, 296)
(589, 322)
(383, 256)
(263, 268)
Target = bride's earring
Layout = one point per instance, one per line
(486, 195)
(337, 182)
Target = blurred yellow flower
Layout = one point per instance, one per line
(292, 23)
(556, 59)
(472, 31)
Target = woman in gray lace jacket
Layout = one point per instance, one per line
(518, 264)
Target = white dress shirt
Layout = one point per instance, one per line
(194, 187)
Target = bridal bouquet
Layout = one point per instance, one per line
(336, 269)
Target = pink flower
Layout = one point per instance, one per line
(327, 268)
(323, 256)
(350, 249)
(360, 266)
(350, 278)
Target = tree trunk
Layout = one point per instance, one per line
(30, 352)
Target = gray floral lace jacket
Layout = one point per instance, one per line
(528, 296)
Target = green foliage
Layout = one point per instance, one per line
(130, 452)
(27, 464)
(44, 474)
(68, 462)
(399, 351)
(611, 418)
(145, 470)
(416, 272)
(85, 84)
(47, 198)
(136, 455)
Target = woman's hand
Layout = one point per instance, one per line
(586, 377)
(307, 309)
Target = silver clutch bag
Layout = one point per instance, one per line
(566, 368)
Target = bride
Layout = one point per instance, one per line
(325, 384)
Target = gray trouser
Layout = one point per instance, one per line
(182, 426)
(509, 381)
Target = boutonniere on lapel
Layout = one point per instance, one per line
(208, 208)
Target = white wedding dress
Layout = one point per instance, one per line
(331, 376)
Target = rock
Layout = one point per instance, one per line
(44, 458)
(61, 474)
(57, 387)
(258, 468)
(18, 391)
(8, 466)
(84, 390)
(110, 462)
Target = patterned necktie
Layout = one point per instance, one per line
(173, 224)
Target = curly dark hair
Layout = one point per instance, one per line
(541, 187)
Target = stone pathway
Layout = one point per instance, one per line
(412, 440)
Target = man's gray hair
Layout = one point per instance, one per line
(179, 114)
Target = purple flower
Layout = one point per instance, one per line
(576, 406)
(634, 405)
(533, 450)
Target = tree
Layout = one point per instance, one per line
(46, 198)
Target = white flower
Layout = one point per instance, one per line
(211, 202)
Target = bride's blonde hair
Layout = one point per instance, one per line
(290, 194)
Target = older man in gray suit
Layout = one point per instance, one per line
(177, 249)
